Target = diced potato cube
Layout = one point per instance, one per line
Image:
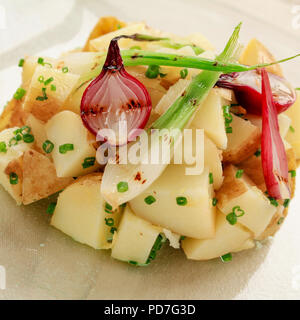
(179, 202)
(210, 118)
(256, 53)
(228, 239)
(242, 142)
(45, 108)
(241, 192)
(293, 135)
(39, 177)
(10, 162)
(80, 213)
(134, 239)
(66, 127)
(38, 130)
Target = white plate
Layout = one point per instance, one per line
(43, 263)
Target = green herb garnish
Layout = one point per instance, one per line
(21, 63)
(13, 178)
(3, 147)
(109, 222)
(19, 94)
(152, 71)
(183, 73)
(181, 201)
(257, 153)
(48, 146)
(65, 70)
(51, 208)
(88, 162)
(149, 200)
(273, 202)
(227, 257)
(293, 173)
(211, 178)
(232, 216)
(64, 148)
(291, 128)
(286, 203)
(214, 201)
(239, 173)
(122, 186)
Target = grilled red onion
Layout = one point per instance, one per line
(273, 155)
(115, 100)
(247, 88)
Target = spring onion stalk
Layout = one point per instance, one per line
(141, 57)
(176, 117)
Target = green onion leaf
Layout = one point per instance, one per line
(231, 218)
(152, 71)
(227, 257)
(88, 162)
(51, 208)
(149, 200)
(122, 186)
(183, 73)
(28, 138)
(49, 80)
(273, 202)
(109, 222)
(3, 147)
(280, 220)
(48, 146)
(257, 153)
(64, 148)
(211, 178)
(214, 201)
(21, 63)
(181, 201)
(293, 173)
(53, 87)
(292, 129)
(40, 61)
(65, 69)
(13, 178)
(19, 94)
(286, 203)
(157, 245)
(239, 173)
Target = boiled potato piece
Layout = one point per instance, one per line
(13, 115)
(212, 160)
(210, 118)
(256, 53)
(103, 26)
(228, 239)
(243, 193)
(39, 177)
(293, 136)
(38, 130)
(159, 203)
(283, 120)
(80, 213)
(11, 162)
(242, 142)
(134, 239)
(43, 110)
(66, 128)
(102, 42)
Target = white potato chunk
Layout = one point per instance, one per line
(293, 135)
(210, 118)
(10, 162)
(242, 142)
(134, 239)
(38, 130)
(81, 213)
(161, 205)
(43, 105)
(228, 239)
(241, 192)
(66, 128)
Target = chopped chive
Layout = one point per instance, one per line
(273, 202)
(13, 142)
(227, 257)
(109, 222)
(228, 129)
(40, 61)
(113, 230)
(51, 208)
(21, 63)
(149, 200)
(119, 26)
(53, 87)
(19, 94)
(44, 97)
(3, 147)
(48, 146)
(162, 75)
(122, 186)
(181, 201)
(280, 220)
(49, 80)
(257, 153)
(228, 118)
(183, 73)
(238, 209)
(152, 71)
(292, 129)
(157, 245)
(293, 173)
(135, 48)
(65, 70)
(88, 162)
(123, 205)
(108, 207)
(231, 218)
(239, 173)
(28, 138)
(211, 178)
(13, 178)
(297, 88)
(214, 201)
(286, 203)
(182, 238)
(41, 79)
(134, 263)
(64, 148)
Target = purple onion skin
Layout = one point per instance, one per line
(247, 89)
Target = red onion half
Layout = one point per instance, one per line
(273, 155)
(247, 88)
(115, 100)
